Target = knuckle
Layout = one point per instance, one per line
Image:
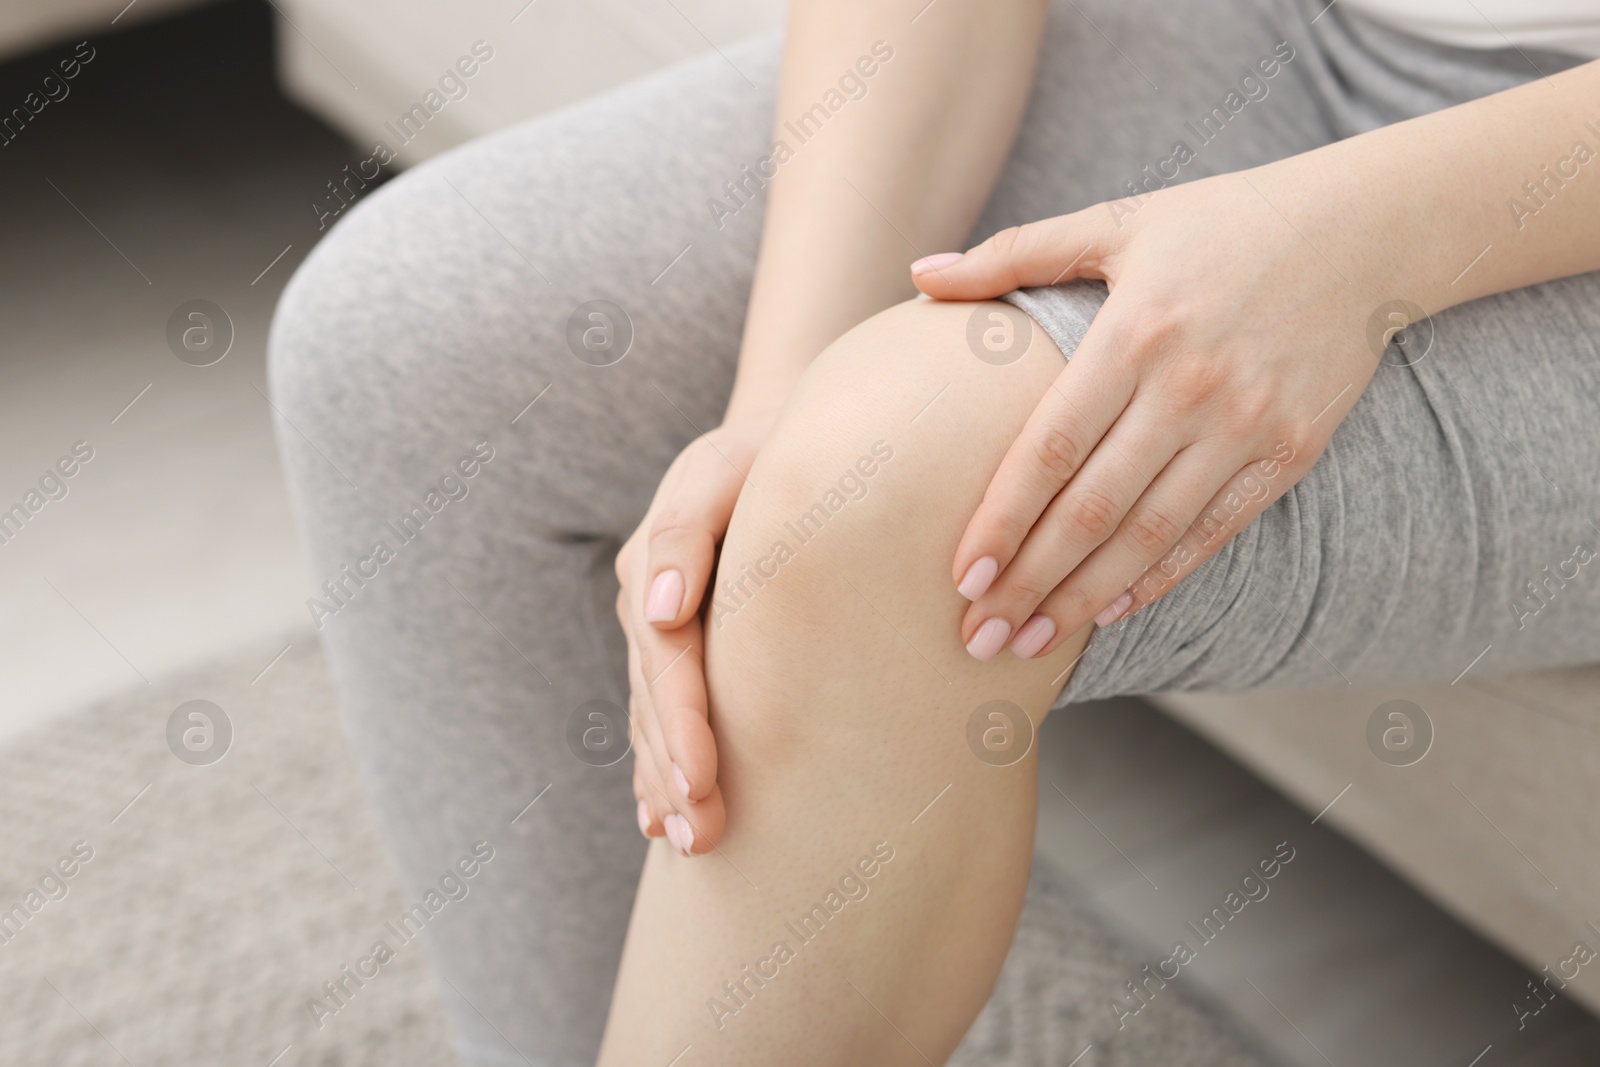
(1089, 514)
(678, 539)
(1025, 589)
(667, 523)
(1197, 378)
(1253, 404)
(1013, 246)
(1073, 604)
(1058, 452)
(1301, 444)
(1000, 526)
(1007, 242)
(1152, 530)
(1154, 329)
(647, 665)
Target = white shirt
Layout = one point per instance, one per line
(1571, 26)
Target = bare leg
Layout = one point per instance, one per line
(866, 891)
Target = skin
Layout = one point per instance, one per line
(842, 698)
(1199, 375)
(1199, 369)
(830, 706)
(943, 113)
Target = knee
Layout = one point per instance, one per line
(836, 569)
(857, 474)
(883, 451)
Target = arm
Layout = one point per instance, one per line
(923, 146)
(922, 143)
(1463, 188)
(1247, 314)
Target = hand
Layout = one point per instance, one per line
(1230, 348)
(664, 569)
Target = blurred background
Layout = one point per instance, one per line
(196, 154)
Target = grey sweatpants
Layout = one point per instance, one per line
(463, 480)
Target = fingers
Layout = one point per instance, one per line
(689, 522)
(663, 572)
(1085, 516)
(649, 825)
(1059, 437)
(1046, 252)
(650, 753)
(687, 754)
(1233, 507)
(646, 768)
(1229, 509)
(691, 829)
(695, 829)
(675, 755)
(1100, 588)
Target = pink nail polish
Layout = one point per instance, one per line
(1034, 635)
(1113, 611)
(937, 261)
(679, 835)
(644, 818)
(666, 597)
(989, 640)
(681, 781)
(978, 578)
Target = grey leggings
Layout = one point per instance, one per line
(464, 480)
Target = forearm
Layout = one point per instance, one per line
(1440, 208)
(901, 168)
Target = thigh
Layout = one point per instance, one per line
(1451, 516)
(572, 258)
(1450, 524)
(469, 432)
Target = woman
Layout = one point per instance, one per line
(1264, 464)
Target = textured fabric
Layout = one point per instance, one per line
(464, 482)
(1560, 25)
(1454, 511)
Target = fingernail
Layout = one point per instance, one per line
(680, 834)
(666, 596)
(1034, 635)
(937, 261)
(644, 818)
(978, 578)
(683, 783)
(1113, 611)
(990, 639)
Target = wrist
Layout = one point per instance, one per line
(1380, 238)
